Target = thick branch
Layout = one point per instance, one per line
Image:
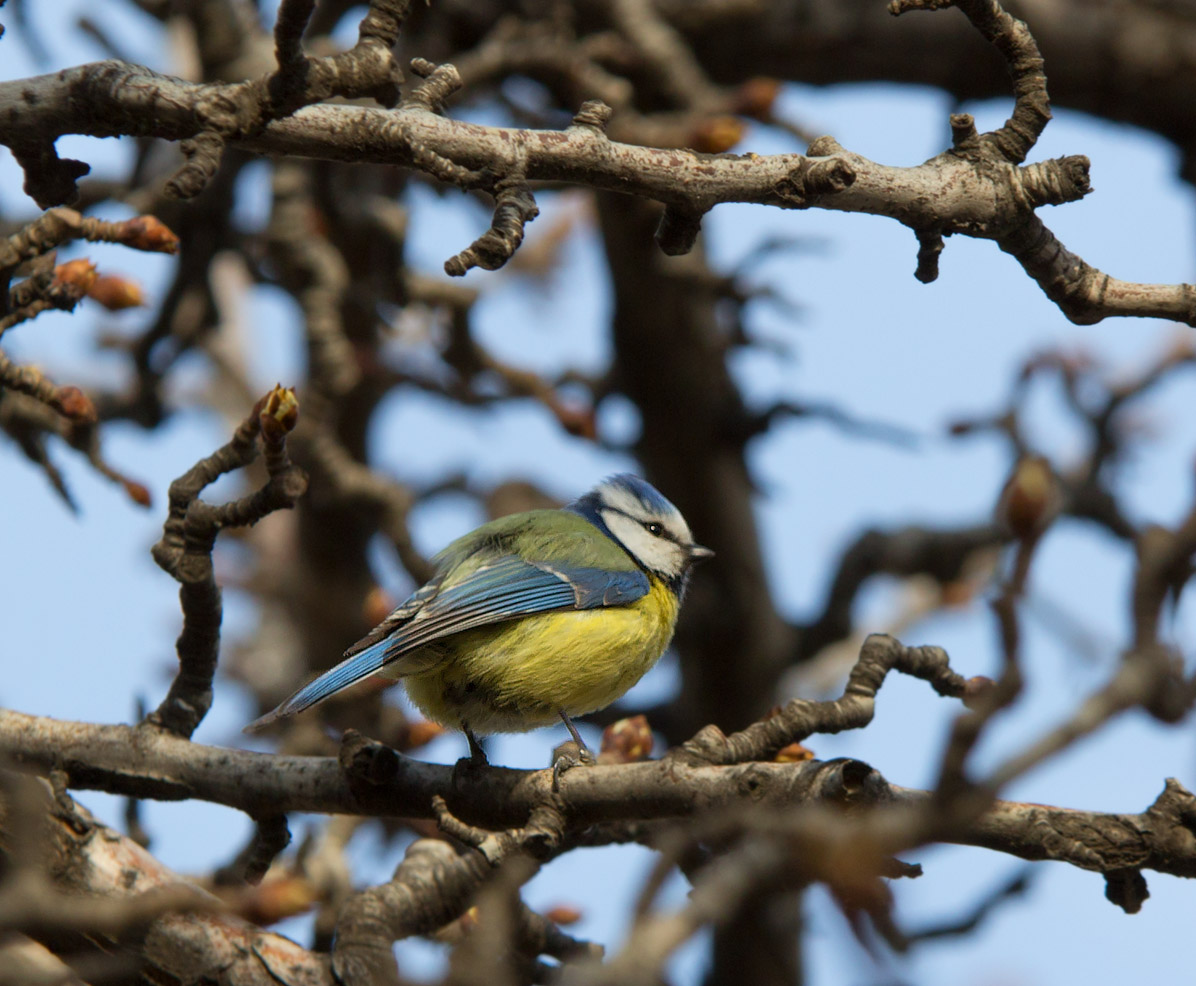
(430, 888)
(155, 764)
(115, 878)
(951, 193)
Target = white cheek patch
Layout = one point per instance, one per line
(654, 553)
(630, 533)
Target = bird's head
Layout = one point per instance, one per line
(647, 525)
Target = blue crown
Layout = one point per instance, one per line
(652, 499)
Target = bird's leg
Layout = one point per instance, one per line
(568, 761)
(477, 756)
(585, 750)
(476, 759)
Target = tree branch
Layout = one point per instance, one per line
(959, 191)
(133, 761)
(189, 535)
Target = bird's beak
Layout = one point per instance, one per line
(697, 552)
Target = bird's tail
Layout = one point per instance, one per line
(348, 672)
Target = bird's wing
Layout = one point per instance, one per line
(398, 616)
(501, 590)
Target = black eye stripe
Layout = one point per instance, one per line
(657, 529)
(660, 530)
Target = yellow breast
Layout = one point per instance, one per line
(519, 675)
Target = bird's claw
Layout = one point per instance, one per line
(466, 771)
(471, 764)
(567, 760)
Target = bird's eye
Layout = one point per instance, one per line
(654, 529)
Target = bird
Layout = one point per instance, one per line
(533, 617)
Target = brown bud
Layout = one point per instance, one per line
(1030, 499)
(626, 741)
(377, 606)
(793, 753)
(116, 293)
(755, 97)
(138, 493)
(148, 233)
(578, 421)
(279, 413)
(563, 914)
(717, 134)
(78, 274)
(75, 404)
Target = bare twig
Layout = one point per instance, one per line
(189, 534)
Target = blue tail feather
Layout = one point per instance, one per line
(342, 676)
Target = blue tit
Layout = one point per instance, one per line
(531, 617)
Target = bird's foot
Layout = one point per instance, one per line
(568, 756)
(467, 769)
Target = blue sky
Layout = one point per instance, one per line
(93, 623)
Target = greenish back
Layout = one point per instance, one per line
(555, 536)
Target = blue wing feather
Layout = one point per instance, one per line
(329, 683)
(504, 590)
